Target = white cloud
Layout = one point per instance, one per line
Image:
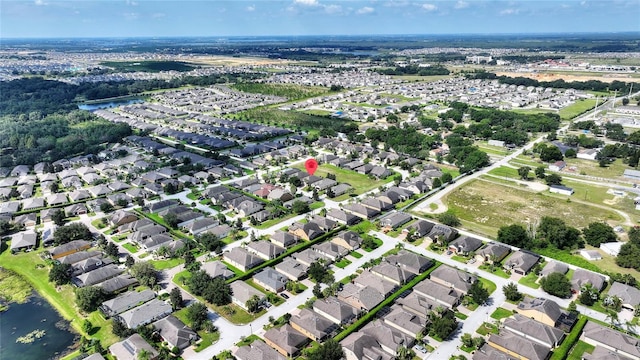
(509, 12)
(429, 7)
(132, 3)
(251, 8)
(40, 3)
(461, 5)
(306, 2)
(365, 10)
(333, 9)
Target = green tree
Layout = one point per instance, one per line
(111, 250)
(317, 291)
(597, 233)
(550, 153)
(467, 340)
(70, 232)
(88, 298)
(119, 329)
(446, 178)
(300, 207)
(405, 353)
(253, 304)
(436, 183)
(329, 350)
(106, 207)
(511, 292)
(540, 172)
(478, 293)
(197, 315)
(449, 219)
(570, 153)
(172, 220)
(175, 297)
(515, 235)
(87, 326)
(557, 233)
(129, 261)
(524, 172)
(556, 284)
(588, 295)
(58, 217)
(553, 179)
(146, 274)
(60, 273)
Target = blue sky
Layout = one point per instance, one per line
(162, 18)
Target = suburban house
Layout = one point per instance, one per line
(582, 277)
(308, 256)
(125, 302)
(368, 279)
(395, 274)
(292, 269)
(265, 249)
(335, 310)
(241, 292)
(420, 228)
(175, 332)
(69, 248)
(540, 309)
(417, 304)
(622, 345)
(629, 295)
(493, 252)
(361, 346)
(518, 347)
(217, 268)
(129, 348)
(445, 232)
(441, 294)
(331, 250)
(145, 313)
(286, 340)
(348, 239)
(283, 239)
(343, 217)
(257, 350)
(406, 322)
(308, 231)
(465, 245)
(312, 325)
(24, 240)
(389, 338)
(270, 280)
(410, 261)
(557, 166)
(521, 262)
(361, 211)
(527, 328)
(242, 259)
(554, 266)
(361, 297)
(96, 276)
(453, 278)
(394, 220)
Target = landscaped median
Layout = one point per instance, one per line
(371, 314)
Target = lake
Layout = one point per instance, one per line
(43, 332)
(108, 104)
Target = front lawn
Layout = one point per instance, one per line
(579, 349)
(167, 263)
(487, 328)
(130, 247)
(356, 254)
(361, 183)
(530, 280)
(501, 313)
(342, 263)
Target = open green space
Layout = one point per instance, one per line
(296, 120)
(501, 313)
(580, 348)
(148, 66)
(489, 285)
(33, 269)
(613, 170)
(289, 91)
(360, 182)
(130, 247)
(577, 108)
(167, 263)
(529, 280)
(486, 206)
(487, 328)
(269, 223)
(343, 263)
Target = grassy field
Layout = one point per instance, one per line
(486, 206)
(579, 107)
(289, 91)
(289, 119)
(360, 182)
(13, 288)
(591, 168)
(27, 265)
(530, 281)
(148, 66)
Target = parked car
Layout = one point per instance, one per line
(421, 349)
(449, 252)
(285, 296)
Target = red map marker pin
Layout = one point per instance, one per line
(311, 165)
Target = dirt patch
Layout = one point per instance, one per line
(551, 76)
